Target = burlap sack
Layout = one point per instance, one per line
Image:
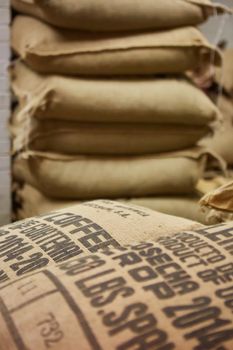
(112, 100)
(119, 15)
(50, 50)
(31, 202)
(72, 177)
(221, 141)
(212, 182)
(102, 138)
(76, 231)
(174, 293)
(218, 204)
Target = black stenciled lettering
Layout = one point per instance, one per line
(75, 267)
(61, 248)
(211, 336)
(205, 318)
(210, 275)
(34, 262)
(98, 241)
(143, 274)
(86, 227)
(196, 317)
(59, 218)
(3, 276)
(50, 330)
(136, 319)
(102, 300)
(130, 312)
(13, 247)
(220, 275)
(161, 290)
(177, 277)
(197, 304)
(143, 247)
(221, 235)
(227, 295)
(86, 283)
(161, 258)
(127, 259)
(19, 225)
(101, 287)
(40, 233)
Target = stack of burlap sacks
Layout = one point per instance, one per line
(105, 109)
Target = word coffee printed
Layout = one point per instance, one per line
(35, 243)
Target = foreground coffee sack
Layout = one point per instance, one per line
(89, 227)
(135, 100)
(93, 177)
(30, 202)
(94, 15)
(61, 136)
(47, 49)
(218, 204)
(172, 293)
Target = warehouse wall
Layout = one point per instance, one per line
(5, 192)
(219, 28)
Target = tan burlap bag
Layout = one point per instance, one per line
(221, 141)
(104, 15)
(144, 100)
(51, 50)
(80, 177)
(218, 204)
(174, 292)
(31, 202)
(101, 138)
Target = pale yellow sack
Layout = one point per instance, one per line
(172, 292)
(30, 202)
(145, 100)
(80, 177)
(221, 141)
(78, 230)
(51, 50)
(105, 15)
(101, 138)
(218, 204)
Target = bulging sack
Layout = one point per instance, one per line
(139, 100)
(160, 294)
(101, 138)
(80, 177)
(72, 232)
(31, 202)
(218, 204)
(119, 15)
(47, 49)
(221, 141)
